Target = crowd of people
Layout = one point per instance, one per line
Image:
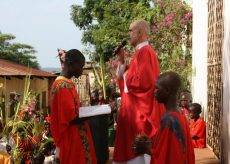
(153, 124)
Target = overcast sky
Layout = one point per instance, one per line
(43, 24)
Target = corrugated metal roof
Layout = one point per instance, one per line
(8, 68)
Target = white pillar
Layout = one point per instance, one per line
(226, 84)
(200, 53)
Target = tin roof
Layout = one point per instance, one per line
(9, 68)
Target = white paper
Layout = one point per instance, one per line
(88, 111)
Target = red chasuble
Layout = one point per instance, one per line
(172, 143)
(74, 141)
(198, 128)
(139, 113)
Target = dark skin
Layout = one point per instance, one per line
(166, 88)
(185, 99)
(194, 114)
(166, 95)
(73, 68)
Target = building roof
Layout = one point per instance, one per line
(9, 68)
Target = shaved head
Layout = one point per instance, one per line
(138, 32)
(142, 24)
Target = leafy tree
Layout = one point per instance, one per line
(171, 36)
(106, 22)
(17, 52)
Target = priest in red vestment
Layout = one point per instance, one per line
(139, 112)
(71, 134)
(172, 143)
(197, 126)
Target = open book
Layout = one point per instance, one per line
(88, 111)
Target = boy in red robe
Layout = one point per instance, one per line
(172, 143)
(197, 126)
(71, 134)
(139, 113)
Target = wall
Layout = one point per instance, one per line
(200, 52)
(226, 84)
(17, 85)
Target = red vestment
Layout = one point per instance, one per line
(172, 143)
(74, 141)
(198, 128)
(140, 113)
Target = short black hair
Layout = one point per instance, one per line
(74, 55)
(196, 106)
(185, 91)
(171, 80)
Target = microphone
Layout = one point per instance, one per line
(119, 47)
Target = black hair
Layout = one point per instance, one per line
(74, 55)
(196, 106)
(185, 91)
(170, 80)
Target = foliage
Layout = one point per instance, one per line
(17, 52)
(171, 28)
(25, 127)
(106, 22)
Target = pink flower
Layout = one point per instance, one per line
(154, 29)
(168, 21)
(182, 22)
(115, 64)
(63, 57)
(26, 109)
(61, 54)
(113, 81)
(188, 16)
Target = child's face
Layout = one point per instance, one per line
(193, 113)
(184, 103)
(184, 99)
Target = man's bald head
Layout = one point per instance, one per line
(142, 24)
(138, 32)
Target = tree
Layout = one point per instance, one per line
(17, 52)
(171, 34)
(106, 22)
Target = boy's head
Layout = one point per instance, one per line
(185, 98)
(166, 86)
(194, 110)
(74, 62)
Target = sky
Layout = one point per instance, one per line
(43, 24)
